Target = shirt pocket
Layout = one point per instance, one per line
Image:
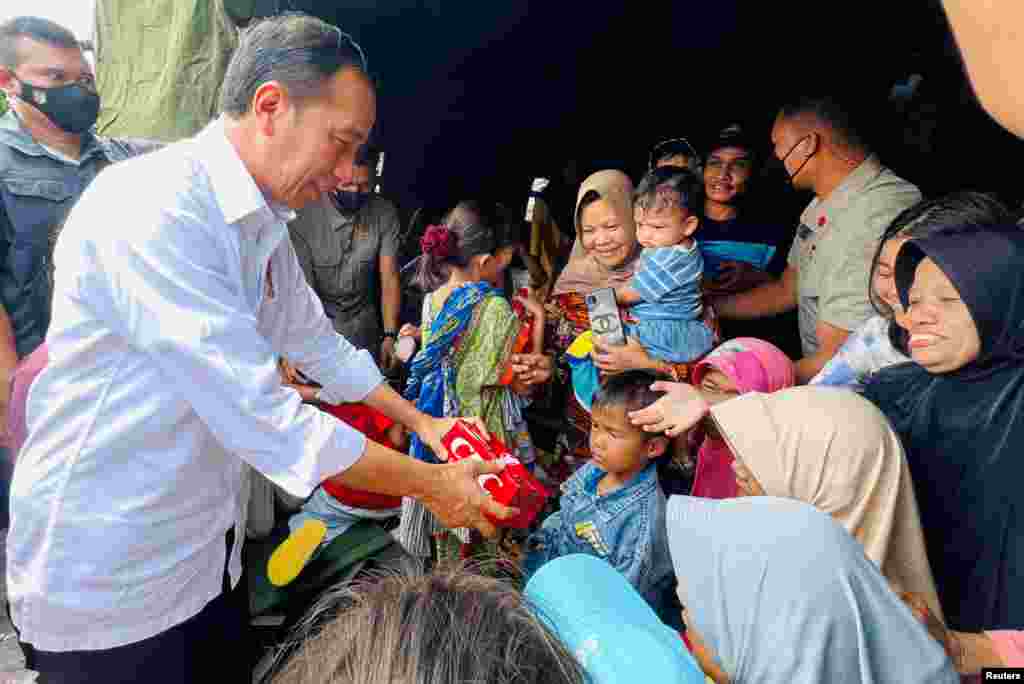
(348, 276)
(37, 209)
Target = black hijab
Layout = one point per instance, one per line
(964, 431)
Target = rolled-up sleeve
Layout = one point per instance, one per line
(170, 293)
(311, 342)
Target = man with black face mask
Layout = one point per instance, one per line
(347, 244)
(48, 156)
(855, 199)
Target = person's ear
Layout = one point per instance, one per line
(270, 104)
(656, 447)
(690, 225)
(813, 144)
(484, 261)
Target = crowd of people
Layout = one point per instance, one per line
(723, 506)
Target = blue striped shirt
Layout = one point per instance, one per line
(668, 279)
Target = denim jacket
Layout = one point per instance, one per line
(37, 191)
(625, 527)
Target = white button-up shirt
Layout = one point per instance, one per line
(176, 288)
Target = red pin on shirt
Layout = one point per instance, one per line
(822, 221)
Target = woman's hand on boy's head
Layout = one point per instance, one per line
(682, 407)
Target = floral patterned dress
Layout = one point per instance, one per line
(479, 358)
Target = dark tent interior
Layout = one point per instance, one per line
(477, 98)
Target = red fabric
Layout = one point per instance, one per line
(715, 478)
(523, 339)
(374, 425)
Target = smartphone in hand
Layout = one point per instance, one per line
(605, 321)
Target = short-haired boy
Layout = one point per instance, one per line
(613, 507)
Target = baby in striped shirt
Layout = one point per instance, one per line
(664, 294)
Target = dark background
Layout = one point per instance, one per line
(476, 98)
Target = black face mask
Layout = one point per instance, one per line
(73, 107)
(348, 202)
(792, 176)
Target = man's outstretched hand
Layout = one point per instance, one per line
(457, 499)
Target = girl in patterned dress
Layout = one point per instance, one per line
(468, 330)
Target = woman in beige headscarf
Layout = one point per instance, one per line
(604, 255)
(833, 449)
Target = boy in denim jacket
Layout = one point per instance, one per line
(613, 507)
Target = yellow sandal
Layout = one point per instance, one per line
(291, 556)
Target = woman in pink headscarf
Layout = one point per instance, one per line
(737, 367)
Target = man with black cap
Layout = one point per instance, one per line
(48, 156)
(675, 152)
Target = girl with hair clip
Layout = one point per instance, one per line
(468, 330)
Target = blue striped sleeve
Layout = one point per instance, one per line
(665, 270)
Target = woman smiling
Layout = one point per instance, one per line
(605, 255)
(959, 410)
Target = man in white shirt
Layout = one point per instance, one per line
(176, 290)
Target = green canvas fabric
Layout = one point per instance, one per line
(160, 63)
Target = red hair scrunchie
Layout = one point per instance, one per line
(438, 242)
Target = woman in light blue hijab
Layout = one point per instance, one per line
(778, 593)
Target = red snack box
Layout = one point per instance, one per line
(514, 486)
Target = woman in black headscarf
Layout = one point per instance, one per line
(959, 410)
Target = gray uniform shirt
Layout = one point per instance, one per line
(340, 256)
(835, 243)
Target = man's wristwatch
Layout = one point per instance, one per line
(393, 334)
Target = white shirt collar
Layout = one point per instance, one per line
(233, 186)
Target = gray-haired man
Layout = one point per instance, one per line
(128, 503)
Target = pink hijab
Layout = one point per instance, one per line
(754, 366)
